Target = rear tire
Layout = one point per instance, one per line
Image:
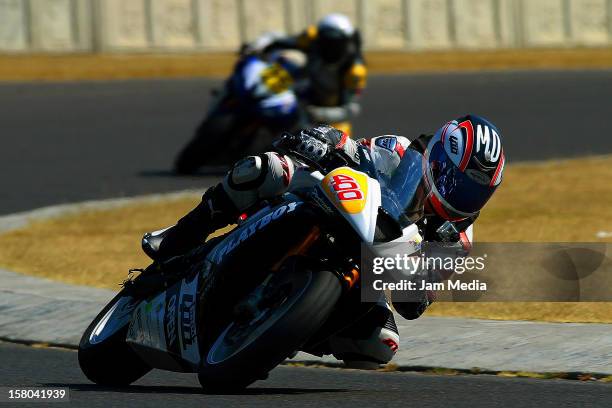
(110, 362)
(288, 326)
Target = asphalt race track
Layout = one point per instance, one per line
(298, 387)
(76, 141)
(79, 141)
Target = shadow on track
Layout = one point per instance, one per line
(161, 389)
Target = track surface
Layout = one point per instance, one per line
(77, 141)
(298, 387)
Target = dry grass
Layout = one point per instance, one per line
(112, 66)
(95, 248)
(389, 62)
(555, 201)
(562, 312)
(124, 66)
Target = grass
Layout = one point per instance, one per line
(565, 200)
(94, 248)
(561, 201)
(553, 201)
(62, 67)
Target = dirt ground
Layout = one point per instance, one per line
(58, 67)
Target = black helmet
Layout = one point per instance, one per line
(334, 37)
(465, 162)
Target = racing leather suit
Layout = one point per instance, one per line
(334, 88)
(265, 176)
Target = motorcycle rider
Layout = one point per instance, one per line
(258, 101)
(464, 165)
(335, 67)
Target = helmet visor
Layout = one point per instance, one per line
(463, 193)
(333, 45)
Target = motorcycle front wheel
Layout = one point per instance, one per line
(218, 141)
(296, 301)
(104, 356)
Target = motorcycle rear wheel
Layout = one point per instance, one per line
(244, 353)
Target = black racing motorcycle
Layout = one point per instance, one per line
(285, 279)
(258, 101)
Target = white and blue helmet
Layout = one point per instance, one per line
(465, 166)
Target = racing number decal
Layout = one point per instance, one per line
(276, 78)
(347, 188)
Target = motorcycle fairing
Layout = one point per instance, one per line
(147, 325)
(187, 327)
(163, 329)
(357, 198)
(259, 221)
(270, 85)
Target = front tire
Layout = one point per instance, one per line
(231, 365)
(217, 142)
(104, 356)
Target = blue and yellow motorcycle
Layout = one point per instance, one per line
(259, 101)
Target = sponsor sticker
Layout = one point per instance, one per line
(347, 188)
(147, 326)
(386, 142)
(246, 231)
(187, 321)
(170, 321)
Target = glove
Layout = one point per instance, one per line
(448, 232)
(310, 143)
(323, 145)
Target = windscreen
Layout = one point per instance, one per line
(404, 193)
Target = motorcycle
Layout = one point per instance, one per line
(258, 101)
(285, 279)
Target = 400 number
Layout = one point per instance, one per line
(346, 188)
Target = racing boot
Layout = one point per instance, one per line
(373, 340)
(166, 247)
(215, 211)
(251, 180)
